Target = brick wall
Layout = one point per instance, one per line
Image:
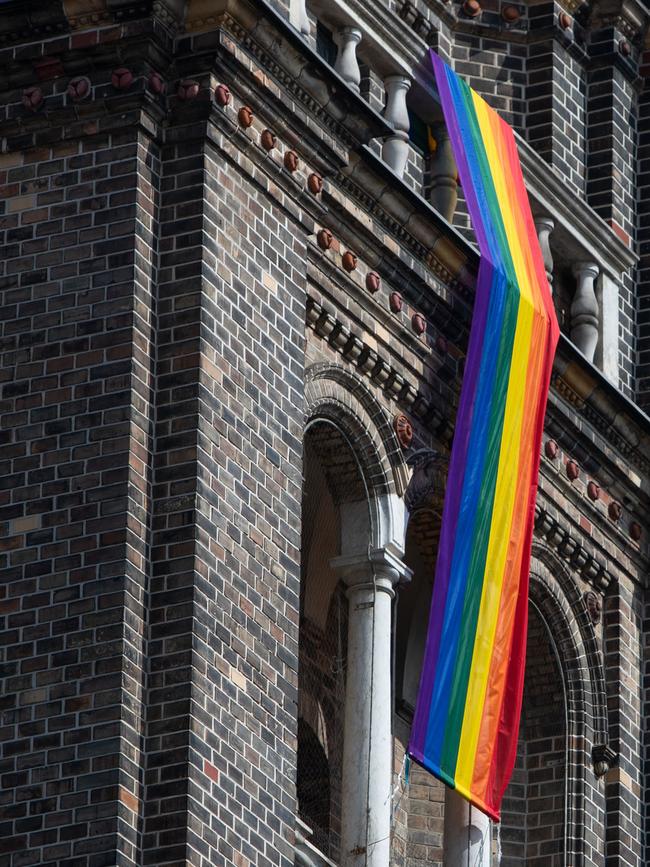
(556, 97)
(76, 417)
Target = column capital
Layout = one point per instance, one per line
(381, 564)
(585, 269)
(547, 223)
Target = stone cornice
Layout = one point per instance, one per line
(369, 363)
(616, 430)
(557, 530)
(569, 548)
(629, 17)
(592, 395)
(551, 195)
(410, 218)
(281, 49)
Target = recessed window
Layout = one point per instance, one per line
(418, 133)
(325, 45)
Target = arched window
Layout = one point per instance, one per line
(331, 477)
(533, 816)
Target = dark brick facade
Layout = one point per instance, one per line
(172, 322)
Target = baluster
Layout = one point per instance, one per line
(444, 174)
(584, 309)
(346, 64)
(395, 149)
(545, 226)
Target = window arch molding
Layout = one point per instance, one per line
(335, 395)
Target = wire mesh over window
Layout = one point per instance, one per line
(332, 478)
(321, 705)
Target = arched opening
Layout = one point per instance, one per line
(418, 832)
(332, 480)
(533, 814)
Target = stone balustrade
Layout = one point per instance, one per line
(594, 258)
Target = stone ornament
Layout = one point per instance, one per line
(267, 140)
(603, 757)
(188, 90)
(403, 430)
(324, 239)
(584, 309)
(551, 449)
(624, 48)
(395, 149)
(593, 491)
(290, 161)
(155, 83)
(564, 20)
(510, 14)
(78, 88)
(395, 302)
(444, 174)
(594, 605)
(349, 261)
(33, 98)
(614, 510)
(544, 227)
(122, 78)
(636, 531)
(572, 470)
(373, 282)
(346, 63)
(314, 183)
(472, 8)
(245, 116)
(222, 95)
(418, 323)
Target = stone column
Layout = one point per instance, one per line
(467, 833)
(545, 226)
(347, 65)
(584, 309)
(370, 579)
(444, 174)
(395, 149)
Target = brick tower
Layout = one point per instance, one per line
(237, 279)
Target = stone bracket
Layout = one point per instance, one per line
(570, 549)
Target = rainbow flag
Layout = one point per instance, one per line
(467, 716)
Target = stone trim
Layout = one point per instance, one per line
(369, 363)
(569, 548)
(332, 392)
(297, 67)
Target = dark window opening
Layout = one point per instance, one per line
(313, 785)
(325, 45)
(418, 132)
